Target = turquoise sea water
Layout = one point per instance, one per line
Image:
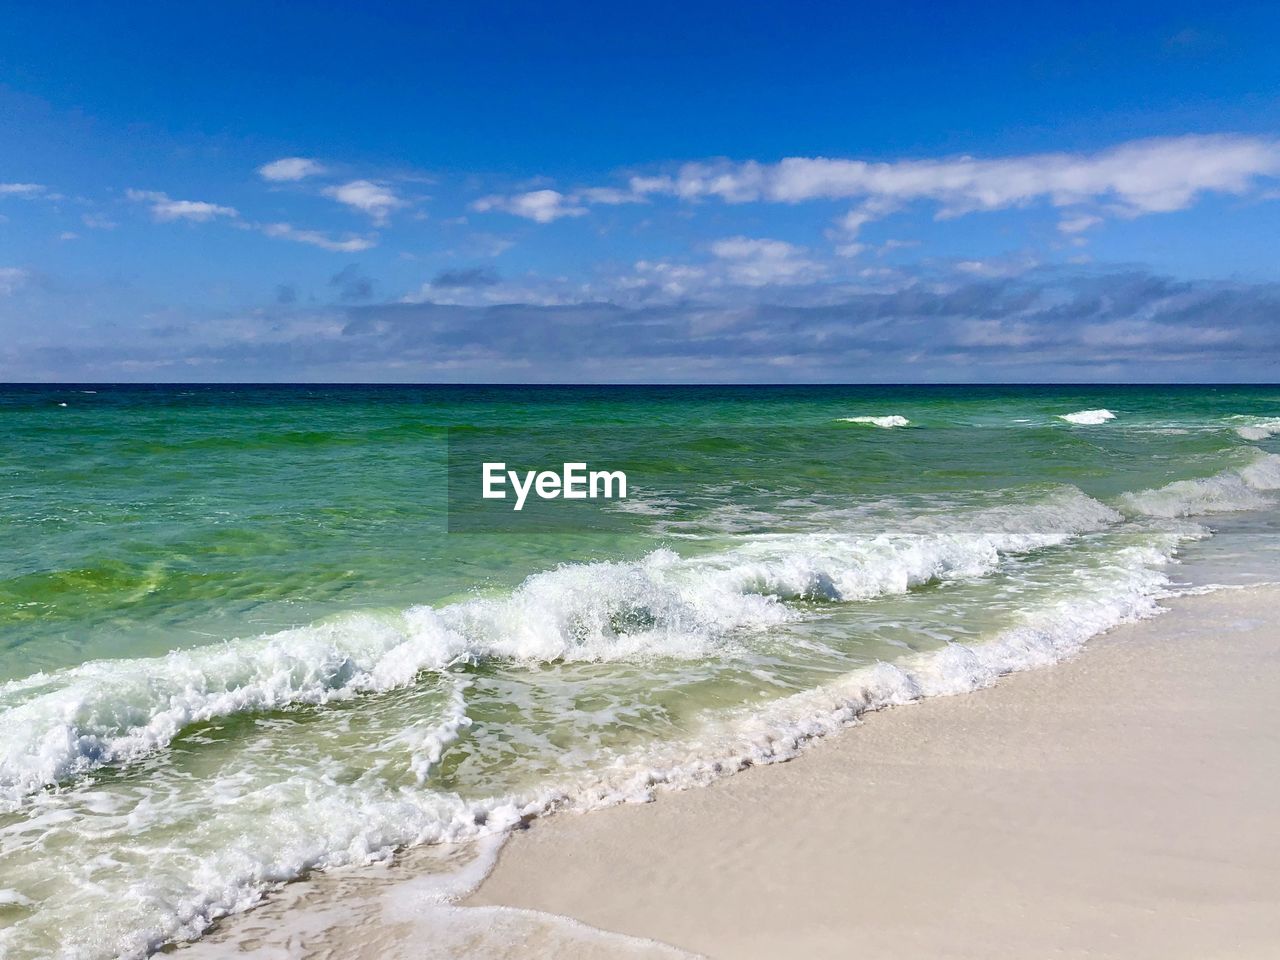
(238, 640)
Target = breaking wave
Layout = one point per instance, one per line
(1244, 488)
(71, 722)
(883, 422)
(1088, 418)
(1258, 428)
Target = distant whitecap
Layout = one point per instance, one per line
(1088, 418)
(883, 422)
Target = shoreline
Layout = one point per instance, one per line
(1115, 805)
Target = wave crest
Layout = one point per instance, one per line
(1244, 488)
(1258, 428)
(72, 722)
(1088, 418)
(885, 423)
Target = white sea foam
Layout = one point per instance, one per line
(1125, 589)
(66, 724)
(1258, 428)
(1088, 418)
(1263, 473)
(831, 567)
(883, 422)
(1244, 488)
(427, 742)
(278, 831)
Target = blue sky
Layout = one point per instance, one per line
(694, 191)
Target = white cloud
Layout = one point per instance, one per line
(1079, 223)
(375, 199)
(755, 262)
(1140, 177)
(1003, 332)
(673, 279)
(609, 196)
(164, 208)
(68, 235)
(865, 213)
(645, 185)
(542, 206)
(1132, 179)
(290, 168)
(97, 222)
(11, 278)
(742, 248)
(533, 292)
(1144, 176)
(734, 262)
(286, 231)
(996, 267)
(23, 190)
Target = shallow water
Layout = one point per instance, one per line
(241, 642)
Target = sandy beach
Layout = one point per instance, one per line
(1117, 805)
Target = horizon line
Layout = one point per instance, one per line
(630, 384)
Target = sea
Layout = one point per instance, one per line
(249, 633)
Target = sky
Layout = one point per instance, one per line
(658, 192)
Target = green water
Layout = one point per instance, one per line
(350, 676)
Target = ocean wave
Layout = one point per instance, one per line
(1125, 589)
(72, 722)
(1088, 418)
(301, 827)
(1258, 428)
(883, 422)
(1244, 488)
(1263, 473)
